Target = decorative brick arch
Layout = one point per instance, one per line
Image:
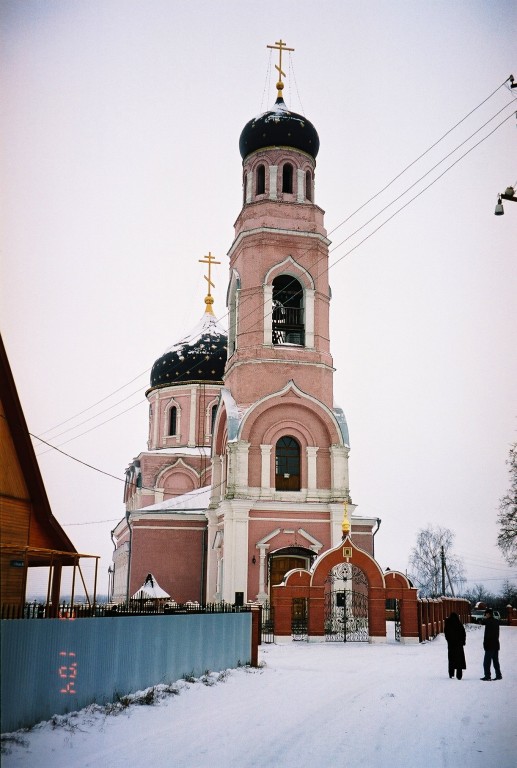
(311, 585)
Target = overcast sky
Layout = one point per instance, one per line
(120, 123)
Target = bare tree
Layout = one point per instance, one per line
(507, 517)
(431, 559)
(479, 594)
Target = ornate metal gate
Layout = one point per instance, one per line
(268, 623)
(396, 618)
(299, 618)
(346, 605)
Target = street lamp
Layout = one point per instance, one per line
(509, 194)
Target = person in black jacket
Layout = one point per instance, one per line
(455, 635)
(491, 646)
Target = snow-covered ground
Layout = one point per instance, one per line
(333, 704)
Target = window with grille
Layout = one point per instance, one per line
(287, 464)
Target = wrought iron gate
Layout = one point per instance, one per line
(299, 618)
(267, 626)
(396, 618)
(346, 605)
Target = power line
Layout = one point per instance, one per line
(332, 250)
(87, 431)
(421, 156)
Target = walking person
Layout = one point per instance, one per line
(455, 635)
(491, 646)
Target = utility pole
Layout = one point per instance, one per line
(445, 570)
(442, 555)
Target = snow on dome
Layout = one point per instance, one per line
(279, 127)
(200, 355)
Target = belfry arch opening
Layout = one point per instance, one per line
(287, 178)
(288, 325)
(260, 187)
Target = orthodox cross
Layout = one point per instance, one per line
(208, 298)
(280, 46)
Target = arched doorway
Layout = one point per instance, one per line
(346, 604)
(283, 560)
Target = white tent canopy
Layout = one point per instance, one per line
(151, 589)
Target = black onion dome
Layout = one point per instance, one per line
(198, 356)
(279, 128)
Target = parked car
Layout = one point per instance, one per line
(477, 616)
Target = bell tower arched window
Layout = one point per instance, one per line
(308, 185)
(287, 178)
(287, 464)
(261, 180)
(288, 325)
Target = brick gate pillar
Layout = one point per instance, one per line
(316, 627)
(377, 615)
(409, 617)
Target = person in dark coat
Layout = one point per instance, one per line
(456, 638)
(491, 646)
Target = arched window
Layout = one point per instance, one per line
(212, 420)
(287, 464)
(288, 315)
(308, 185)
(287, 178)
(173, 420)
(261, 180)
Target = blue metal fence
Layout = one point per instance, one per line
(59, 666)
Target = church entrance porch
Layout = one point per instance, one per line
(346, 605)
(345, 594)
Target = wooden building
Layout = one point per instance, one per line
(30, 535)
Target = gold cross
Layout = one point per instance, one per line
(280, 46)
(208, 298)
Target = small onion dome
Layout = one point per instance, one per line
(279, 128)
(198, 356)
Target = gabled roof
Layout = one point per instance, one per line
(15, 430)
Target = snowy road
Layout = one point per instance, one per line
(346, 705)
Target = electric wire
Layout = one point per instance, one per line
(85, 410)
(421, 156)
(351, 250)
(331, 231)
(330, 251)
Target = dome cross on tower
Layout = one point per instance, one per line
(280, 46)
(208, 298)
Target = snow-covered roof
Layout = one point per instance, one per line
(151, 589)
(343, 426)
(200, 450)
(233, 414)
(199, 355)
(196, 500)
(208, 325)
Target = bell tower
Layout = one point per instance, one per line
(280, 446)
(279, 293)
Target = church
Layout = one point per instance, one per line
(245, 475)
